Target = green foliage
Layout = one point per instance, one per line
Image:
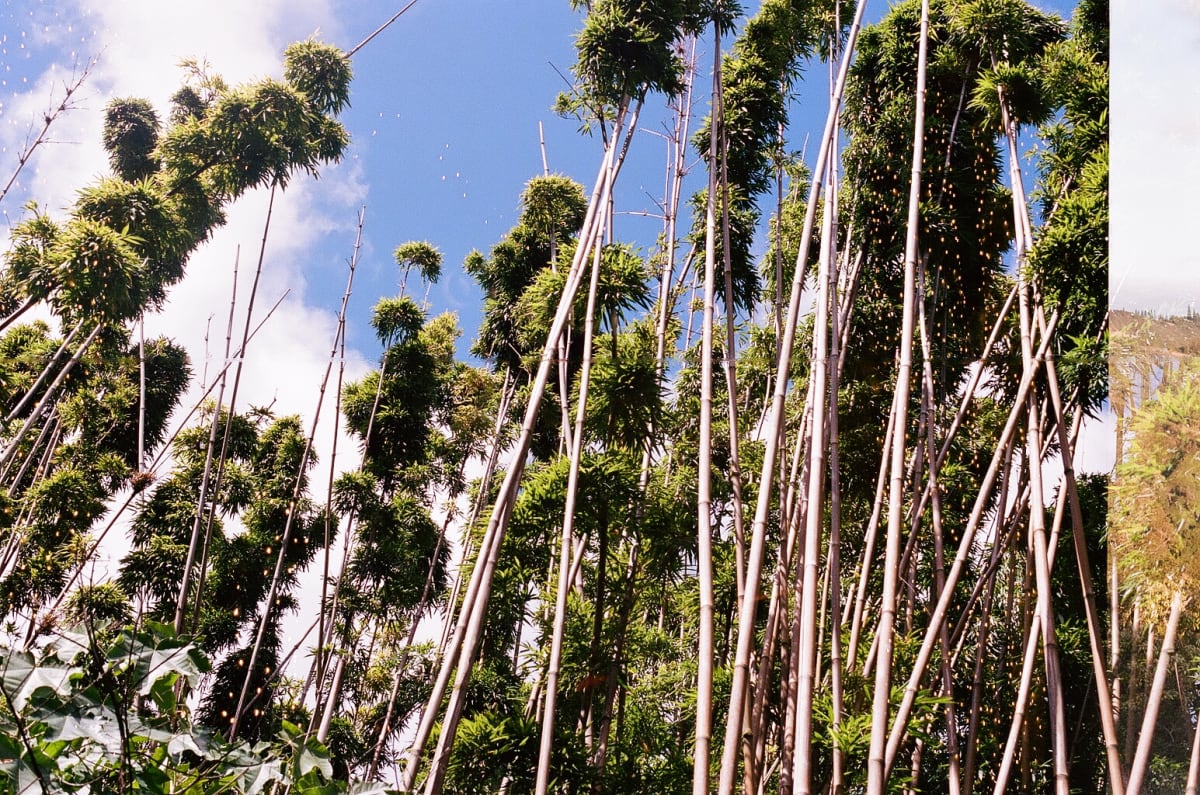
(399, 402)
(489, 749)
(320, 72)
(396, 320)
(130, 135)
(552, 210)
(554, 205)
(25, 351)
(127, 238)
(626, 397)
(965, 216)
(396, 548)
(84, 716)
(1155, 515)
(626, 47)
(107, 416)
(422, 256)
(742, 220)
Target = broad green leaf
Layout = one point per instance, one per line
(156, 653)
(23, 676)
(307, 754)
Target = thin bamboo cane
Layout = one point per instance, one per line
(33, 142)
(925, 652)
(981, 639)
(286, 535)
(877, 764)
(51, 429)
(729, 357)
(704, 562)
(1024, 240)
(1193, 779)
(14, 444)
(426, 593)
(802, 759)
(29, 393)
(463, 645)
(837, 781)
(676, 172)
(542, 779)
(1141, 759)
(939, 574)
(746, 630)
(194, 541)
(237, 380)
(1107, 711)
(1038, 543)
(507, 391)
(1019, 729)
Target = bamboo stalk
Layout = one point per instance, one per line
(194, 541)
(939, 564)
(772, 433)
(802, 760)
(704, 562)
(546, 747)
(877, 764)
(29, 393)
(1106, 707)
(925, 652)
(1193, 779)
(237, 380)
(467, 632)
(286, 535)
(1141, 759)
(10, 452)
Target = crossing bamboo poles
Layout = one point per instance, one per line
(464, 643)
(772, 433)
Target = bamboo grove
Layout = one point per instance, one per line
(696, 518)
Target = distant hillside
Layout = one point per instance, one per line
(1179, 335)
(1144, 352)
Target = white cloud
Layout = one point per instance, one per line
(1155, 157)
(139, 44)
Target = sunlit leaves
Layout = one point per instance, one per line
(626, 48)
(626, 398)
(321, 72)
(92, 715)
(130, 135)
(132, 234)
(1155, 520)
(420, 255)
(554, 205)
(152, 223)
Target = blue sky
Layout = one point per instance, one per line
(444, 119)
